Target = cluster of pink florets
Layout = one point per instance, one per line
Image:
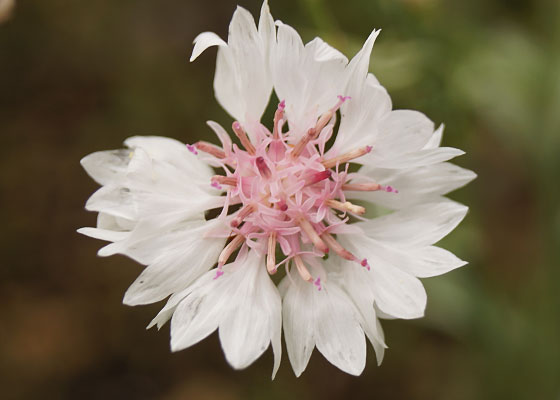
(287, 191)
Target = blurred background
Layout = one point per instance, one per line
(78, 77)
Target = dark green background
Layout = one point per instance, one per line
(81, 76)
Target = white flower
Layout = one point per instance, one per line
(283, 190)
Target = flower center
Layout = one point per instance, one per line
(289, 194)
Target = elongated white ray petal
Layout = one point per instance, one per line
(420, 225)
(414, 185)
(203, 41)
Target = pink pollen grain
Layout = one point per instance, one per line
(192, 149)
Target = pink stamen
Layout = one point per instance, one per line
(300, 146)
(242, 214)
(271, 254)
(326, 117)
(318, 177)
(243, 138)
(346, 207)
(286, 192)
(224, 180)
(312, 235)
(210, 149)
(302, 269)
(263, 168)
(362, 187)
(337, 247)
(192, 149)
(229, 249)
(344, 158)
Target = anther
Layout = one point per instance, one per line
(219, 272)
(302, 269)
(243, 138)
(389, 189)
(224, 180)
(346, 207)
(271, 254)
(362, 187)
(192, 148)
(365, 264)
(344, 158)
(263, 168)
(312, 235)
(242, 214)
(317, 177)
(337, 247)
(318, 283)
(229, 249)
(209, 148)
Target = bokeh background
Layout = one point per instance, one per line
(81, 76)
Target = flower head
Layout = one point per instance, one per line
(286, 203)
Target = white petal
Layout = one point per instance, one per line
(242, 82)
(414, 159)
(245, 333)
(422, 262)
(326, 318)
(338, 333)
(106, 167)
(170, 152)
(243, 303)
(435, 139)
(113, 200)
(182, 257)
(403, 131)
(416, 226)
(104, 234)
(203, 41)
(414, 185)
(362, 116)
(431, 261)
(356, 281)
(309, 78)
(298, 319)
(267, 30)
(200, 312)
(396, 293)
(110, 222)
